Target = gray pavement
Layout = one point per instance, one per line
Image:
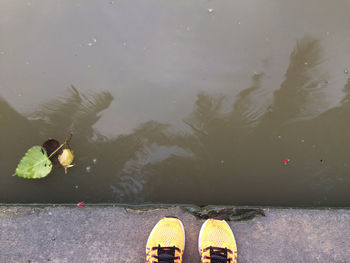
(119, 234)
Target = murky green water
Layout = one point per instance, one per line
(179, 101)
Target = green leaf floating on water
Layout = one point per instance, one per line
(34, 164)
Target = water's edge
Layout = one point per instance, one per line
(225, 212)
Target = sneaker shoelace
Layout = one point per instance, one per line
(166, 254)
(218, 255)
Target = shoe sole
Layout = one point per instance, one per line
(201, 231)
(182, 226)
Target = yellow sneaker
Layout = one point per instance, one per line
(166, 243)
(216, 243)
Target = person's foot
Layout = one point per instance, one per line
(166, 243)
(216, 243)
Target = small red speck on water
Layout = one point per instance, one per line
(285, 161)
(81, 204)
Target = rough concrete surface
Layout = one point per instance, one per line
(119, 234)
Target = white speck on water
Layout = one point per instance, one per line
(279, 136)
(346, 71)
(94, 160)
(90, 44)
(19, 94)
(88, 169)
(124, 44)
(306, 63)
(94, 40)
(239, 22)
(210, 10)
(50, 214)
(27, 63)
(327, 33)
(188, 28)
(222, 161)
(76, 187)
(302, 140)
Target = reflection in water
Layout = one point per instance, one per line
(230, 156)
(301, 87)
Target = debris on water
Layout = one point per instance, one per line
(322, 161)
(327, 33)
(94, 160)
(306, 63)
(34, 164)
(90, 44)
(80, 204)
(239, 22)
(210, 10)
(279, 136)
(77, 186)
(222, 161)
(27, 63)
(346, 71)
(50, 146)
(2, 52)
(94, 40)
(66, 158)
(302, 141)
(88, 169)
(50, 214)
(285, 161)
(270, 109)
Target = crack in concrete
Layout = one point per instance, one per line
(225, 213)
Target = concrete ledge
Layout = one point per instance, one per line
(119, 234)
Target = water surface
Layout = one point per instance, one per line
(178, 101)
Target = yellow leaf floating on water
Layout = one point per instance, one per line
(66, 159)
